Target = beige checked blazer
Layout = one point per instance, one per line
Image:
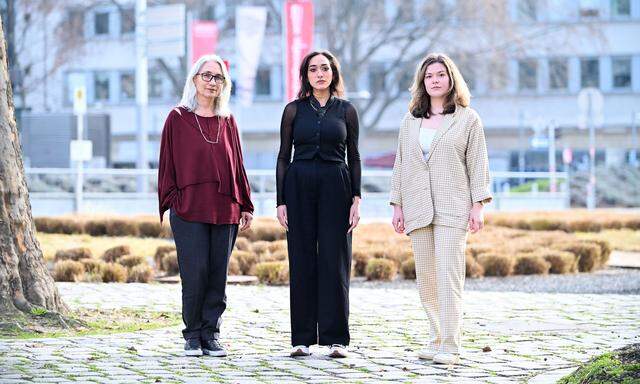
(441, 188)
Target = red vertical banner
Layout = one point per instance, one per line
(299, 41)
(204, 38)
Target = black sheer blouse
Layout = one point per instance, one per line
(328, 133)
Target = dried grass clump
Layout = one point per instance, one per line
(496, 264)
(170, 263)
(246, 261)
(561, 262)
(112, 254)
(141, 273)
(74, 254)
(473, 269)
(92, 266)
(381, 269)
(530, 264)
(278, 245)
(122, 227)
(114, 273)
(131, 261)
(68, 270)
(96, 227)
(360, 258)
(149, 228)
(91, 277)
(243, 244)
(233, 267)
(588, 254)
(408, 269)
(260, 247)
(159, 255)
(273, 272)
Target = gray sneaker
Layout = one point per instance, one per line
(192, 347)
(338, 351)
(212, 347)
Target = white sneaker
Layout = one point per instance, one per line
(427, 354)
(446, 358)
(338, 351)
(299, 350)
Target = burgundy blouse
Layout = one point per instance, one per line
(201, 181)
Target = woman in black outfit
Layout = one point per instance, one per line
(319, 204)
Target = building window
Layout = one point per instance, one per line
(263, 82)
(527, 74)
(101, 23)
(155, 83)
(527, 10)
(621, 8)
(558, 74)
(589, 8)
(377, 76)
(621, 71)
(127, 21)
(589, 73)
(127, 86)
(101, 86)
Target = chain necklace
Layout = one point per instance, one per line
(202, 133)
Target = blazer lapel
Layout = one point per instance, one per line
(447, 123)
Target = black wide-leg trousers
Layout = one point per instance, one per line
(203, 258)
(318, 198)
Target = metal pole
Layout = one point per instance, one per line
(521, 154)
(142, 93)
(591, 189)
(552, 156)
(633, 153)
(79, 165)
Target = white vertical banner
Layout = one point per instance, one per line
(250, 26)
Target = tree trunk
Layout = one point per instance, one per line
(24, 280)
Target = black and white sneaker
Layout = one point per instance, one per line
(192, 347)
(212, 347)
(338, 351)
(299, 350)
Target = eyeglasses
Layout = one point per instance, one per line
(208, 76)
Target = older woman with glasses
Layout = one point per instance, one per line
(202, 181)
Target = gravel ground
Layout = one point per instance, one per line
(624, 281)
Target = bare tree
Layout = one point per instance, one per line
(25, 282)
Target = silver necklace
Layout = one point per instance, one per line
(202, 133)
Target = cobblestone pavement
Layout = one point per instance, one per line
(534, 338)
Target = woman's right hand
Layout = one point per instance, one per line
(398, 219)
(282, 216)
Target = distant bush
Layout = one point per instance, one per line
(560, 261)
(473, 269)
(149, 228)
(160, 252)
(234, 267)
(73, 254)
(242, 244)
(246, 260)
(409, 269)
(170, 263)
(141, 273)
(360, 258)
(131, 261)
(68, 270)
(96, 227)
(589, 254)
(496, 265)
(273, 272)
(114, 253)
(114, 273)
(529, 264)
(93, 266)
(381, 269)
(121, 227)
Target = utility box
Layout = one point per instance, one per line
(46, 139)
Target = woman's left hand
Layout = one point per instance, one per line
(476, 218)
(354, 213)
(245, 221)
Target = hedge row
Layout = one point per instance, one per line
(576, 221)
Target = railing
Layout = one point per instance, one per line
(106, 190)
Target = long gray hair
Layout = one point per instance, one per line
(221, 103)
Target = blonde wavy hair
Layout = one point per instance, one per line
(420, 104)
(221, 103)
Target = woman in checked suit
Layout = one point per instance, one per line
(439, 187)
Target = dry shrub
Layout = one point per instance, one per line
(141, 273)
(496, 265)
(243, 244)
(122, 227)
(131, 261)
(91, 277)
(278, 245)
(265, 230)
(586, 225)
(114, 273)
(561, 261)
(60, 225)
(73, 254)
(170, 263)
(246, 260)
(148, 228)
(588, 254)
(605, 250)
(381, 269)
(160, 252)
(409, 269)
(234, 267)
(273, 272)
(530, 264)
(360, 259)
(474, 250)
(545, 225)
(112, 254)
(473, 269)
(260, 247)
(95, 227)
(43, 224)
(92, 266)
(281, 255)
(68, 270)
(166, 232)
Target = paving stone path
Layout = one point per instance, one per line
(534, 338)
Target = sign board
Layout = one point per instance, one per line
(299, 41)
(81, 150)
(166, 31)
(80, 100)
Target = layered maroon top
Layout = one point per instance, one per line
(201, 181)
